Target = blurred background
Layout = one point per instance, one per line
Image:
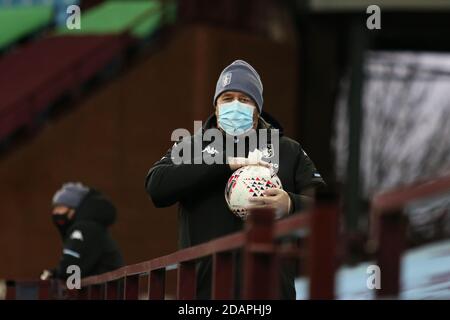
(98, 105)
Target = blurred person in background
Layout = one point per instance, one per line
(199, 188)
(82, 216)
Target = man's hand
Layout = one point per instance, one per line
(275, 198)
(238, 162)
(46, 274)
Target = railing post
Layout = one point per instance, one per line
(390, 247)
(112, 289)
(95, 292)
(223, 276)
(44, 290)
(260, 267)
(120, 288)
(322, 250)
(157, 284)
(143, 286)
(83, 294)
(186, 286)
(89, 292)
(10, 290)
(131, 287)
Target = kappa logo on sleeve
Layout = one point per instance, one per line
(77, 235)
(210, 150)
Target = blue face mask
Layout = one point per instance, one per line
(235, 118)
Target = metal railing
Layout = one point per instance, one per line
(262, 255)
(388, 233)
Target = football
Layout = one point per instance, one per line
(246, 182)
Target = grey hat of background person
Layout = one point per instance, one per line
(70, 195)
(241, 76)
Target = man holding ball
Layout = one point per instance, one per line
(198, 188)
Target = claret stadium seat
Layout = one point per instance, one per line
(18, 22)
(36, 74)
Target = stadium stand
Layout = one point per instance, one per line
(141, 18)
(36, 75)
(33, 19)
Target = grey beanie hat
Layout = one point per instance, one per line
(71, 194)
(241, 76)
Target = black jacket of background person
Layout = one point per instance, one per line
(203, 212)
(87, 243)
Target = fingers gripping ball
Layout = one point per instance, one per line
(246, 182)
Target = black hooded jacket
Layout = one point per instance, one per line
(87, 242)
(199, 190)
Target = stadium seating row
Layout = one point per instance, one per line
(36, 74)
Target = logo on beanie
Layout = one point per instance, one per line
(226, 80)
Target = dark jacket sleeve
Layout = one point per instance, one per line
(306, 176)
(168, 183)
(82, 248)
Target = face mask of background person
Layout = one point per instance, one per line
(235, 121)
(62, 217)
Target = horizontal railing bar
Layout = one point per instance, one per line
(392, 201)
(291, 253)
(105, 277)
(226, 243)
(261, 248)
(138, 268)
(172, 267)
(230, 242)
(90, 280)
(291, 225)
